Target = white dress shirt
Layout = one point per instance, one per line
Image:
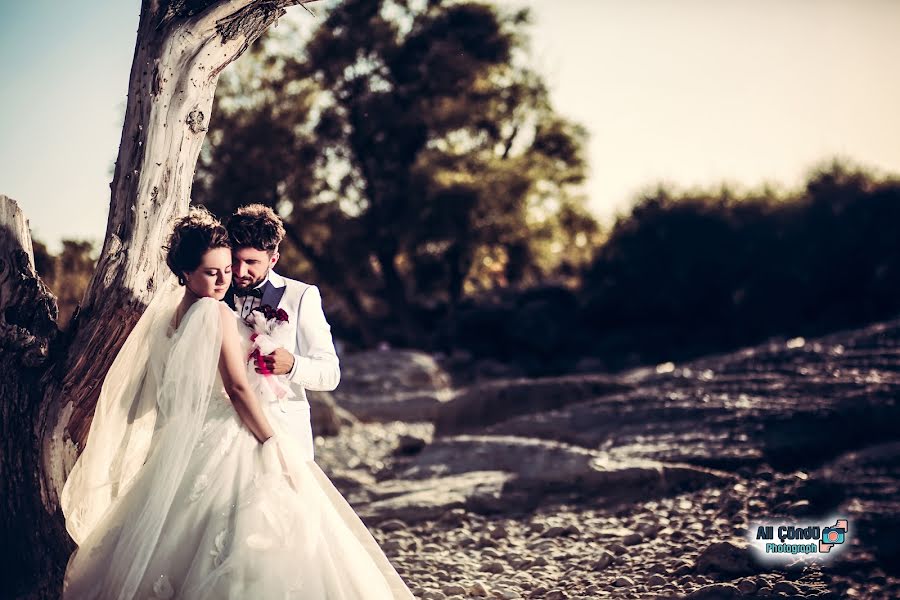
(316, 366)
(245, 304)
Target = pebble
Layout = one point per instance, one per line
(632, 539)
(785, 587)
(494, 566)
(392, 525)
(604, 561)
(618, 548)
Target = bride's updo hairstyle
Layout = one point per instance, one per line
(192, 237)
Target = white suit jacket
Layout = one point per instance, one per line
(316, 366)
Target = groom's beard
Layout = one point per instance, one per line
(243, 290)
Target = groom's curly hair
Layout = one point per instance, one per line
(192, 236)
(255, 226)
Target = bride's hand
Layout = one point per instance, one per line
(273, 460)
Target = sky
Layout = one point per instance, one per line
(692, 93)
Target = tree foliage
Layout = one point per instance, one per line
(685, 274)
(67, 274)
(414, 155)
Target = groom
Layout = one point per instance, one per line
(308, 358)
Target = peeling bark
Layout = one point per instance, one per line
(50, 382)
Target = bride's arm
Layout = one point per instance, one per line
(232, 367)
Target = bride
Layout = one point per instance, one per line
(186, 487)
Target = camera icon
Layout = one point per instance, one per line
(833, 535)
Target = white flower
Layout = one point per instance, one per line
(200, 486)
(218, 551)
(162, 589)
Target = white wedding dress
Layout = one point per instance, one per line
(173, 497)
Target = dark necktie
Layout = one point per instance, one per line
(247, 300)
(255, 293)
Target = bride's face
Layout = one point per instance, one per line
(213, 276)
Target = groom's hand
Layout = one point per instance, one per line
(279, 362)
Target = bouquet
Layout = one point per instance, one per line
(264, 321)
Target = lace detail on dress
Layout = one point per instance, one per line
(218, 551)
(199, 487)
(162, 589)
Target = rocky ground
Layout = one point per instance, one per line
(638, 485)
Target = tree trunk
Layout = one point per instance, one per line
(395, 290)
(50, 382)
(28, 317)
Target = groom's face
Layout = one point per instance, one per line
(249, 267)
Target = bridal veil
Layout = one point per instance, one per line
(153, 399)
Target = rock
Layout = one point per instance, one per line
(454, 517)
(410, 444)
(539, 561)
(649, 530)
(484, 404)
(604, 561)
(632, 539)
(623, 582)
(544, 466)
(540, 461)
(453, 589)
(747, 586)
(499, 532)
(392, 525)
(326, 417)
(348, 481)
(493, 566)
(559, 531)
(618, 549)
(418, 500)
(785, 587)
(870, 480)
(715, 591)
(727, 558)
(392, 385)
(667, 416)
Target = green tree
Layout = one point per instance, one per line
(67, 274)
(413, 154)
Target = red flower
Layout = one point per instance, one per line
(267, 311)
(281, 315)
